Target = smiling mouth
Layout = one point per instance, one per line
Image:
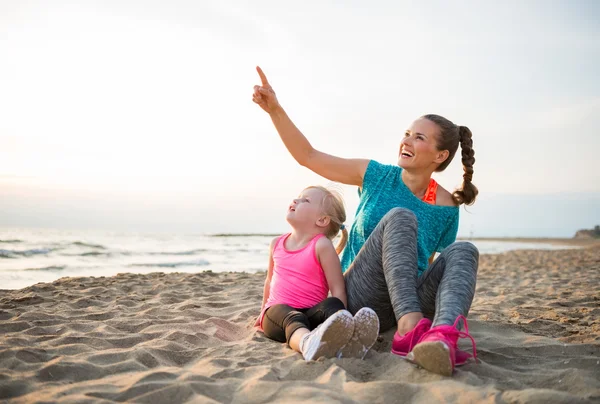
(407, 154)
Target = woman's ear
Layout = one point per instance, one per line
(323, 221)
(441, 156)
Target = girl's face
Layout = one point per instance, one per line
(306, 210)
(418, 148)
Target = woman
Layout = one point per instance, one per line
(402, 220)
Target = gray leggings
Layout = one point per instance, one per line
(384, 276)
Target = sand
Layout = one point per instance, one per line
(170, 338)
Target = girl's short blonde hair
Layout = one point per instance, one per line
(333, 207)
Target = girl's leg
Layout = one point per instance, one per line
(446, 289)
(332, 328)
(286, 324)
(383, 275)
(322, 311)
(281, 321)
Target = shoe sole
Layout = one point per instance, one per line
(432, 356)
(333, 334)
(366, 331)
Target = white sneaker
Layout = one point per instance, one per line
(366, 330)
(327, 339)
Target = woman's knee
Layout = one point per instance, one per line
(400, 214)
(463, 249)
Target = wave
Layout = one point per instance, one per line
(199, 262)
(11, 241)
(190, 252)
(50, 268)
(93, 254)
(82, 244)
(132, 253)
(24, 253)
(196, 251)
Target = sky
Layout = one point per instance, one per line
(137, 115)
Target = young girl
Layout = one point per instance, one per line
(303, 267)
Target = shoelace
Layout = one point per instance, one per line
(412, 340)
(466, 334)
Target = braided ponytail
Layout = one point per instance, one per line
(451, 136)
(468, 192)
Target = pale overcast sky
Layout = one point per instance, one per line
(138, 114)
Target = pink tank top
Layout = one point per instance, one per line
(298, 279)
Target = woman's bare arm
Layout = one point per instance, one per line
(346, 171)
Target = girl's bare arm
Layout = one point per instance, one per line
(330, 262)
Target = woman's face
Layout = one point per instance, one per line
(418, 148)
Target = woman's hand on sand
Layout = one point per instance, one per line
(264, 95)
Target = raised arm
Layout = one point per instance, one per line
(346, 171)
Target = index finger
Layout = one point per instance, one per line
(263, 78)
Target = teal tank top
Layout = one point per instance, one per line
(382, 190)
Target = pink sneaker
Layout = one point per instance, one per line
(437, 351)
(402, 345)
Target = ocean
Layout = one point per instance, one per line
(29, 256)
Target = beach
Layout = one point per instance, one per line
(179, 337)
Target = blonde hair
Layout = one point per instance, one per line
(333, 207)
